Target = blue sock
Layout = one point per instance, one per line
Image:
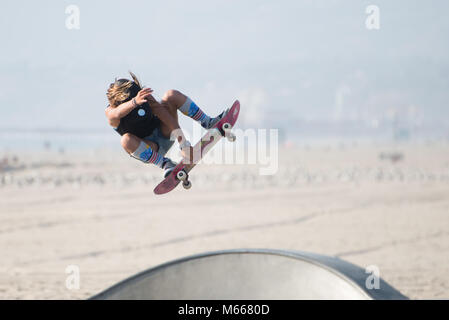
(148, 155)
(190, 109)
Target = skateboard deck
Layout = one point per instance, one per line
(181, 172)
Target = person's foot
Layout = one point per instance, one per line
(213, 121)
(168, 167)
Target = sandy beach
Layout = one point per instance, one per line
(370, 204)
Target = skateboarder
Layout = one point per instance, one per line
(146, 125)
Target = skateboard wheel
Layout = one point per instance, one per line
(187, 184)
(231, 137)
(181, 175)
(226, 127)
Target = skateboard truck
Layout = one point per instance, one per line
(227, 127)
(184, 177)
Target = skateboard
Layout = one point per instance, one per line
(181, 172)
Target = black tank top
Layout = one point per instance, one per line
(140, 122)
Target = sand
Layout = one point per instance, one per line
(96, 210)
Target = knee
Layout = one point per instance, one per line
(172, 96)
(129, 142)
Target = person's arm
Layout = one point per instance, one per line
(114, 114)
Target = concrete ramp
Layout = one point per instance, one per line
(251, 274)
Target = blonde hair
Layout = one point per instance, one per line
(123, 90)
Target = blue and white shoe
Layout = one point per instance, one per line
(214, 121)
(168, 167)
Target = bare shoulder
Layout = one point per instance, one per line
(108, 109)
(113, 121)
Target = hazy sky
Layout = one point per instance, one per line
(283, 59)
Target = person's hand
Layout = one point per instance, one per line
(143, 95)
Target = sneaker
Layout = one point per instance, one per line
(214, 121)
(168, 167)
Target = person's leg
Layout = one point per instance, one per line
(171, 100)
(130, 143)
(178, 101)
(145, 151)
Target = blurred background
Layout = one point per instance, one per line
(362, 116)
(309, 68)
